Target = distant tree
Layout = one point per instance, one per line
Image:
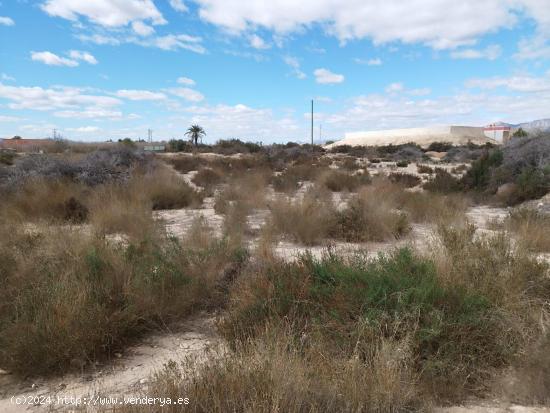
(17, 137)
(195, 132)
(127, 142)
(520, 133)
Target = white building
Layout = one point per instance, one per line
(456, 135)
(499, 133)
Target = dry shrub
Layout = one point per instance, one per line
(114, 208)
(165, 190)
(518, 287)
(55, 199)
(249, 191)
(208, 178)
(350, 163)
(405, 179)
(186, 163)
(529, 381)
(531, 227)
(424, 169)
(420, 206)
(307, 219)
(275, 373)
(70, 298)
(42, 198)
(490, 264)
(369, 217)
(293, 176)
(338, 181)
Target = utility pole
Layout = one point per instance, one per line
(312, 124)
(320, 132)
(150, 135)
(54, 137)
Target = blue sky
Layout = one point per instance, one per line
(103, 69)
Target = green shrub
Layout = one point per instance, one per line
(456, 336)
(6, 157)
(479, 175)
(443, 182)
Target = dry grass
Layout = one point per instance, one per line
(338, 181)
(307, 219)
(208, 178)
(275, 373)
(111, 207)
(70, 298)
(249, 191)
(369, 217)
(531, 227)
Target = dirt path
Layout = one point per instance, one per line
(126, 376)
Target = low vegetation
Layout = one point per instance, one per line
(71, 298)
(88, 268)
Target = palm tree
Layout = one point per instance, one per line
(195, 132)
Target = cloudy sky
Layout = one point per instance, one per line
(102, 69)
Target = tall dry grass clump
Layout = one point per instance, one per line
(71, 298)
(276, 373)
(306, 219)
(338, 181)
(247, 192)
(517, 285)
(531, 227)
(369, 217)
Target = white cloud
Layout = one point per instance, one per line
(441, 24)
(85, 56)
(258, 43)
(106, 13)
(52, 59)
(420, 92)
(178, 5)
(9, 118)
(142, 29)
(100, 39)
(38, 98)
(168, 42)
(537, 47)
(223, 121)
(6, 21)
(185, 81)
(140, 95)
(89, 114)
(370, 62)
(325, 76)
(528, 84)
(491, 52)
(187, 94)
(294, 63)
(85, 129)
(175, 42)
(395, 87)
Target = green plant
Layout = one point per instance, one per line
(195, 132)
(456, 336)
